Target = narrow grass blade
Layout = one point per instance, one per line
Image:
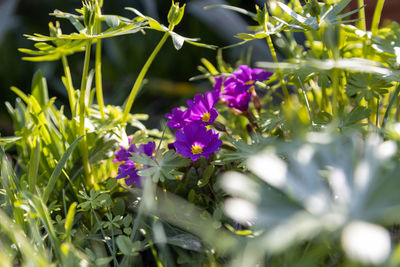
(57, 170)
(70, 219)
(15, 233)
(34, 166)
(233, 8)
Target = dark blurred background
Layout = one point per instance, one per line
(124, 56)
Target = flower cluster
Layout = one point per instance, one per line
(192, 137)
(237, 89)
(129, 169)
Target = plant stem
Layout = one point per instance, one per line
(99, 86)
(377, 112)
(377, 17)
(361, 15)
(335, 92)
(69, 85)
(154, 251)
(307, 103)
(391, 102)
(82, 132)
(112, 252)
(278, 71)
(140, 77)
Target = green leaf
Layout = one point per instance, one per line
(185, 241)
(103, 261)
(162, 166)
(76, 23)
(34, 165)
(308, 22)
(126, 246)
(112, 21)
(245, 150)
(39, 88)
(21, 94)
(57, 170)
(44, 215)
(11, 185)
(367, 86)
(9, 139)
(349, 64)
(233, 8)
(355, 115)
(332, 14)
(177, 40)
(206, 176)
(70, 219)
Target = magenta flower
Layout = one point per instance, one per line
(248, 76)
(237, 96)
(219, 82)
(128, 169)
(235, 89)
(202, 108)
(177, 119)
(196, 141)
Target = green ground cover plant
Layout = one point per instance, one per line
(284, 163)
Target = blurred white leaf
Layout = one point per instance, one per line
(366, 243)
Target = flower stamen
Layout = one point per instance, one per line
(206, 117)
(196, 149)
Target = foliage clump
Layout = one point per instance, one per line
(294, 162)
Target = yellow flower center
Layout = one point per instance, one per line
(206, 117)
(196, 149)
(249, 82)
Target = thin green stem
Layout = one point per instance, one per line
(278, 71)
(361, 15)
(82, 132)
(140, 77)
(99, 85)
(377, 17)
(335, 92)
(377, 112)
(393, 98)
(154, 251)
(307, 103)
(112, 252)
(69, 85)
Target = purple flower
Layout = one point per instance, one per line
(237, 96)
(196, 141)
(128, 169)
(248, 76)
(178, 118)
(219, 82)
(236, 87)
(147, 149)
(121, 155)
(202, 108)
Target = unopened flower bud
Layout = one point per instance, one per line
(175, 13)
(89, 13)
(262, 15)
(55, 30)
(219, 126)
(313, 8)
(255, 98)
